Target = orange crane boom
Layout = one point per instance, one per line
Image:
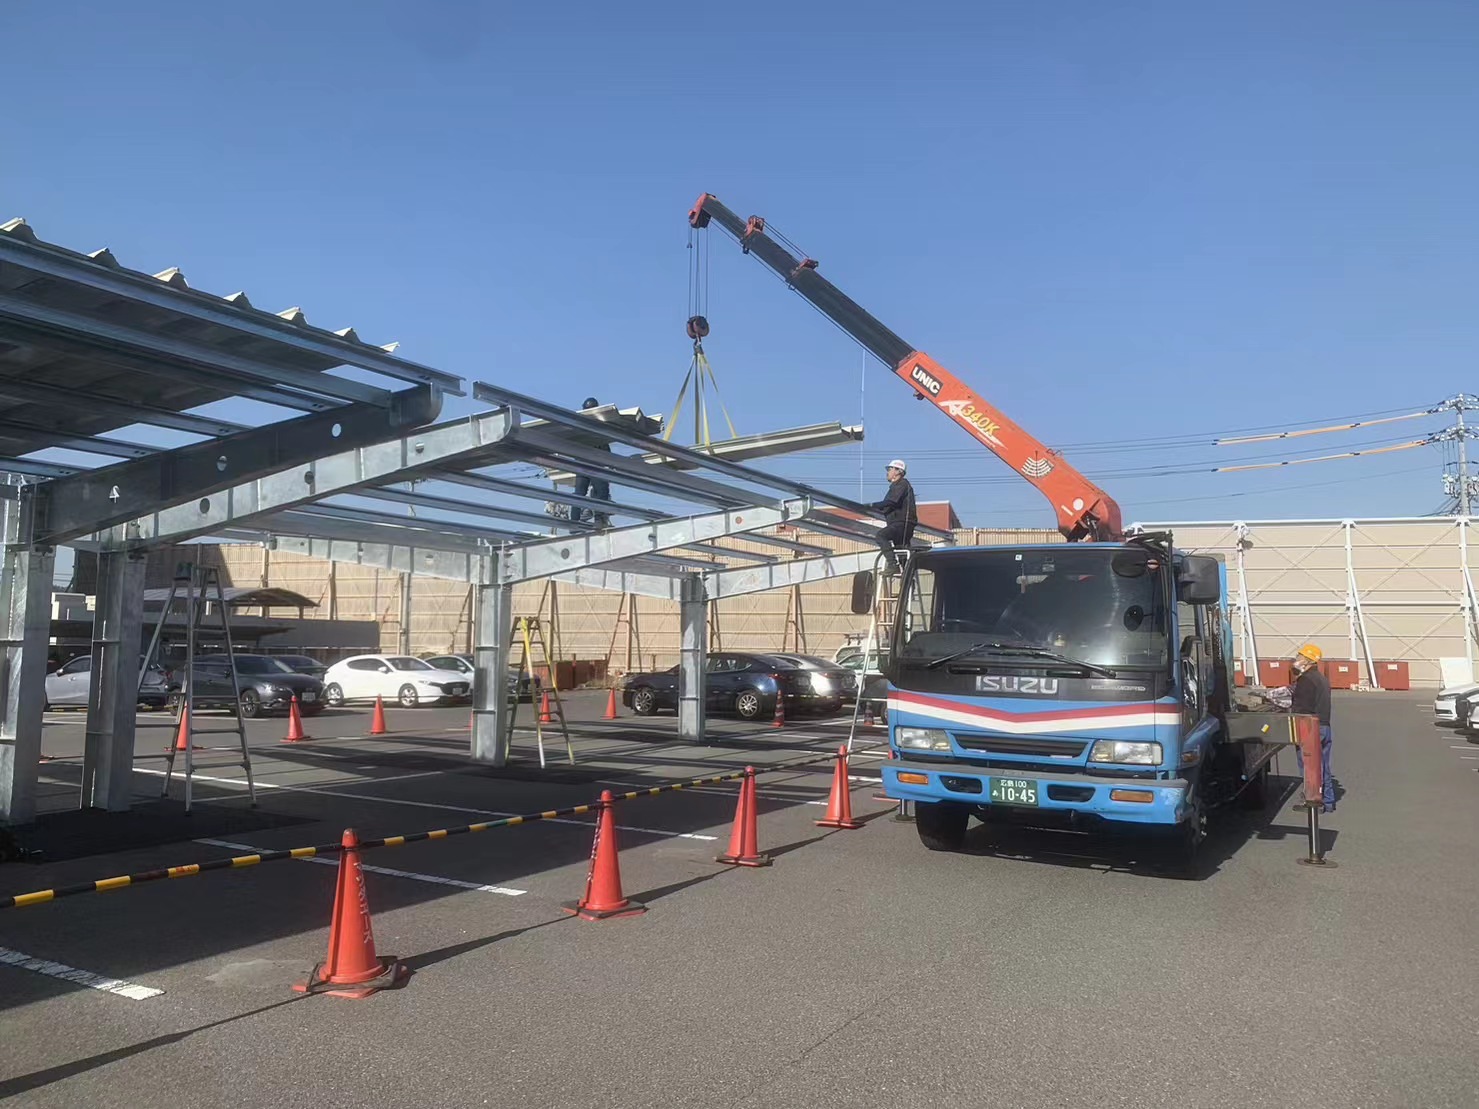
(1084, 511)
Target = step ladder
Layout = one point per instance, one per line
(880, 624)
(530, 635)
(196, 588)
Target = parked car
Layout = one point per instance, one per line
(302, 664)
(1446, 704)
(521, 686)
(826, 674)
(405, 679)
(266, 684)
(745, 684)
(71, 684)
(874, 684)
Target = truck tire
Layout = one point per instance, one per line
(941, 824)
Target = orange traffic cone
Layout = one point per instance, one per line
(839, 801)
(603, 897)
(544, 715)
(744, 845)
(352, 962)
(295, 724)
(779, 721)
(611, 704)
(182, 737)
(377, 722)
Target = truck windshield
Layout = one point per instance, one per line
(1102, 605)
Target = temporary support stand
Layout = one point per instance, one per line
(795, 628)
(626, 615)
(197, 587)
(529, 636)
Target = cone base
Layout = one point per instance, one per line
(393, 973)
(837, 823)
(743, 860)
(575, 908)
(299, 739)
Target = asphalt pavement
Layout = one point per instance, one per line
(1033, 969)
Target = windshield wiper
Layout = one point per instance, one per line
(1025, 649)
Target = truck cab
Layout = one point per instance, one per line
(1079, 684)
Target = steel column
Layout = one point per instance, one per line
(25, 603)
(118, 628)
(492, 631)
(693, 614)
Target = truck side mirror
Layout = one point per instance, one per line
(1199, 580)
(863, 591)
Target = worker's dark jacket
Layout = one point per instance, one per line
(898, 506)
(1311, 695)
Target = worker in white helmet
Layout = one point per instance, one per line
(899, 514)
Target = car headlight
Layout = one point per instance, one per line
(1118, 750)
(922, 739)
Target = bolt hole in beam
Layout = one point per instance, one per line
(307, 477)
(221, 464)
(205, 505)
(336, 431)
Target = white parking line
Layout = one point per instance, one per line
(130, 990)
(240, 783)
(507, 891)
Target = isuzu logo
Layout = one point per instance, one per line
(923, 379)
(1006, 683)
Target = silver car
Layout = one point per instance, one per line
(72, 684)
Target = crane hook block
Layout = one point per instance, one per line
(698, 327)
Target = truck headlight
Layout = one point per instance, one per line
(1118, 750)
(922, 739)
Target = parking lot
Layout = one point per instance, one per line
(1035, 969)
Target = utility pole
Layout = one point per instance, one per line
(1461, 486)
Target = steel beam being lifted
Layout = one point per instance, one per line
(94, 500)
(397, 459)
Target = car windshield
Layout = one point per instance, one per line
(405, 662)
(1104, 606)
(260, 664)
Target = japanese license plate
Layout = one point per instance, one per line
(308, 696)
(1013, 791)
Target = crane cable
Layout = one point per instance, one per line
(699, 368)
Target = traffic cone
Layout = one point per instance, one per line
(839, 801)
(603, 897)
(744, 845)
(182, 737)
(611, 704)
(295, 724)
(780, 708)
(352, 962)
(544, 714)
(868, 720)
(377, 722)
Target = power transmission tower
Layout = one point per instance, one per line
(1461, 485)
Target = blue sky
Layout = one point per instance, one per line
(1117, 222)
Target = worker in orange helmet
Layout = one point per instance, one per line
(1311, 697)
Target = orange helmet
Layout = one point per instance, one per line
(1311, 652)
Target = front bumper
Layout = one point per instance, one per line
(1057, 793)
(1445, 714)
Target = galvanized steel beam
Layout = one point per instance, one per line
(741, 581)
(98, 499)
(396, 460)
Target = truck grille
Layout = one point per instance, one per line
(1010, 745)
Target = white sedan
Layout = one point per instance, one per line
(401, 678)
(1445, 705)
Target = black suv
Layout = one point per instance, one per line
(265, 683)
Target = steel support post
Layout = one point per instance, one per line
(492, 631)
(693, 619)
(25, 603)
(117, 636)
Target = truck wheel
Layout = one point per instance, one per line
(1186, 841)
(941, 824)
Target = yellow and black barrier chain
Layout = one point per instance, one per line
(238, 862)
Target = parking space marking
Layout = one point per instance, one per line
(131, 990)
(240, 783)
(434, 879)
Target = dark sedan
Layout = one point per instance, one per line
(265, 684)
(744, 684)
(302, 664)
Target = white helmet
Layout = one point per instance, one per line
(898, 464)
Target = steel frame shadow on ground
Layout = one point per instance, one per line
(89, 349)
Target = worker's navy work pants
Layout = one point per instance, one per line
(893, 535)
(594, 488)
(1327, 783)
